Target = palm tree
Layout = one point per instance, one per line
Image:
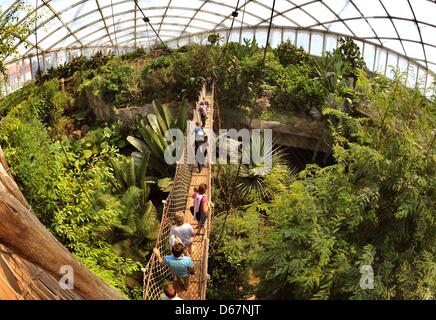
(258, 181)
(139, 221)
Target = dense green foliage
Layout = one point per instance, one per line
(77, 64)
(177, 76)
(290, 54)
(275, 234)
(100, 204)
(116, 83)
(374, 206)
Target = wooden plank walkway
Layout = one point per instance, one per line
(200, 246)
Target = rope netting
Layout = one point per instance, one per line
(155, 274)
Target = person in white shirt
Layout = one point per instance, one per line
(170, 293)
(182, 232)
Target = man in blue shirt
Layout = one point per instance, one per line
(180, 266)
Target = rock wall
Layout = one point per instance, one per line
(286, 135)
(104, 112)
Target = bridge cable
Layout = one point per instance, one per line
(38, 74)
(115, 28)
(147, 21)
(55, 129)
(218, 240)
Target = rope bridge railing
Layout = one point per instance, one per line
(156, 274)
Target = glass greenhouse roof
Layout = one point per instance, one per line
(406, 27)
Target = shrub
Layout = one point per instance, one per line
(349, 51)
(116, 83)
(297, 91)
(290, 54)
(80, 63)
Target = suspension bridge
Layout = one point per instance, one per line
(180, 199)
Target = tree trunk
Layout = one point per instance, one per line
(23, 233)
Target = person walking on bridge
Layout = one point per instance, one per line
(198, 135)
(182, 232)
(170, 293)
(202, 109)
(180, 265)
(209, 83)
(200, 209)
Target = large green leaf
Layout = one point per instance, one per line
(160, 115)
(168, 117)
(131, 173)
(165, 184)
(138, 144)
(154, 141)
(141, 172)
(118, 182)
(154, 123)
(155, 163)
(147, 223)
(182, 117)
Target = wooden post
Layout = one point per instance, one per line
(23, 233)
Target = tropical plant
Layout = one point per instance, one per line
(152, 130)
(139, 224)
(290, 54)
(214, 38)
(296, 90)
(350, 53)
(262, 181)
(87, 66)
(10, 30)
(373, 207)
(331, 70)
(116, 83)
(231, 264)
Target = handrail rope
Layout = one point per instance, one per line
(209, 220)
(154, 274)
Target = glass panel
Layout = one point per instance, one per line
(234, 36)
(430, 86)
(276, 38)
(50, 60)
(316, 44)
(380, 61)
(289, 35)
(62, 57)
(12, 80)
(27, 70)
(403, 66)
(391, 65)
(330, 43)
(411, 76)
(303, 40)
(368, 56)
(422, 77)
(261, 37)
(183, 42)
(247, 34)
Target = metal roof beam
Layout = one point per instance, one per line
(55, 13)
(104, 21)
